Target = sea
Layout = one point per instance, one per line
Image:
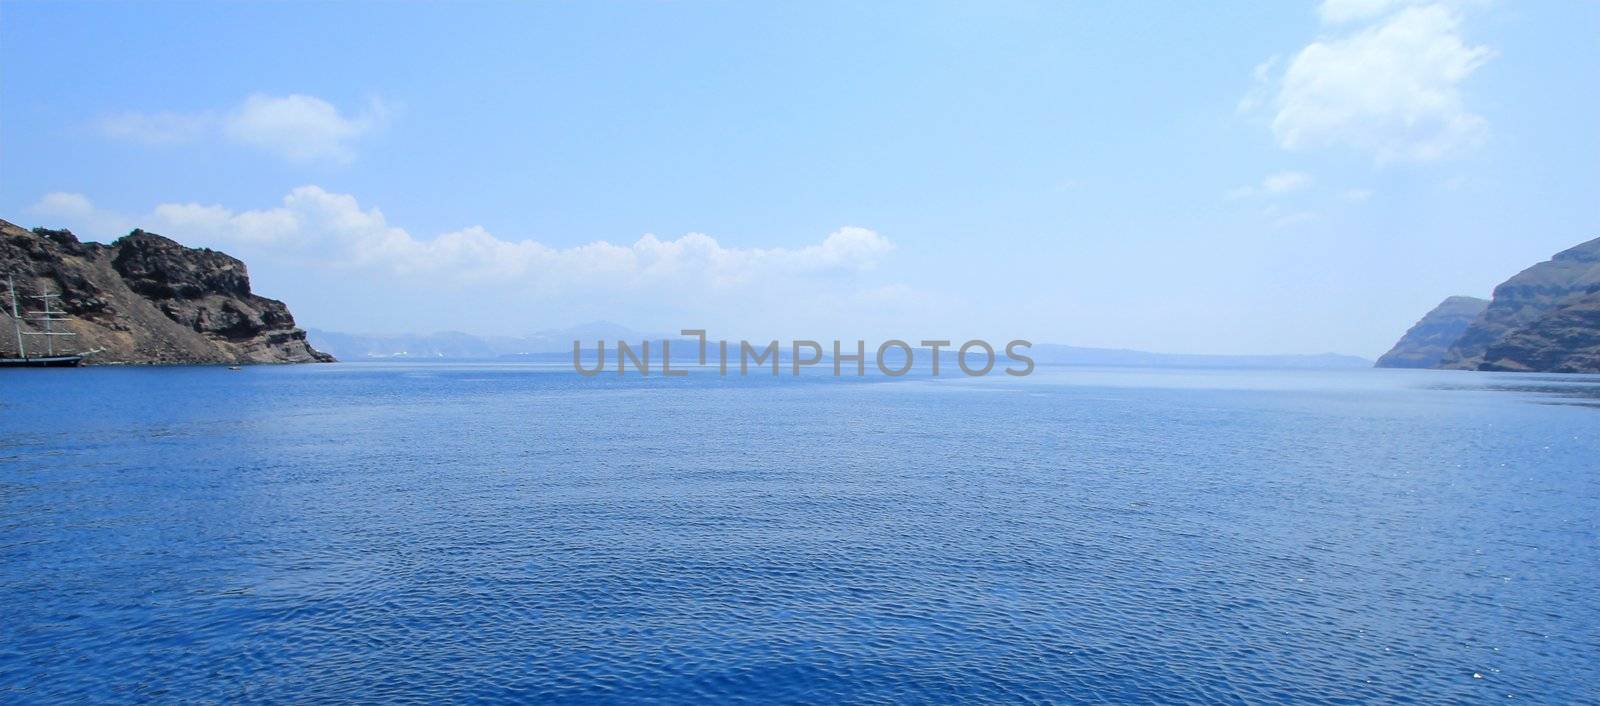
(518, 533)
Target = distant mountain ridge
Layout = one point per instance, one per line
(545, 344)
(1056, 354)
(1546, 318)
(464, 346)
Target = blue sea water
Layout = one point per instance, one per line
(391, 533)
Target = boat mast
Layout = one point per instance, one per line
(16, 317)
(48, 316)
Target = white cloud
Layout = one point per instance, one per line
(345, 266)
(300, 128)
(1356, 195)
(1391, 88)
(1261, 85)
(315, 224)
(296, 127)
(76, 211)
(1274, 185)
(273, 226)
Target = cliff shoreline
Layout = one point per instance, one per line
(147, 300)
(1546, 319)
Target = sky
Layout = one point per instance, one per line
(1177, 177)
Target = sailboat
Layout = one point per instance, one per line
(46, 315)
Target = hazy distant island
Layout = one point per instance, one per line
(555, 345)
(1545, 319)
(145, 299)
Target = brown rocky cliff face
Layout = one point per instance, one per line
(1524, 299)
(1545, 319)
(148, 299)
(1566, 340)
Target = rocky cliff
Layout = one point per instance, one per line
(1566, 340)
(1526, 298)
(146, 299)
(1545, 319)
(1425, 345)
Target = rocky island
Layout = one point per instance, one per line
(1544, 319)
(146, 299)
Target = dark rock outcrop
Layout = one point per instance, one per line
(148, 299)
(1526, 298)
(1425, 345)
(1566, 340)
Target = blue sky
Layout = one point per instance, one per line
(1185, 177)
